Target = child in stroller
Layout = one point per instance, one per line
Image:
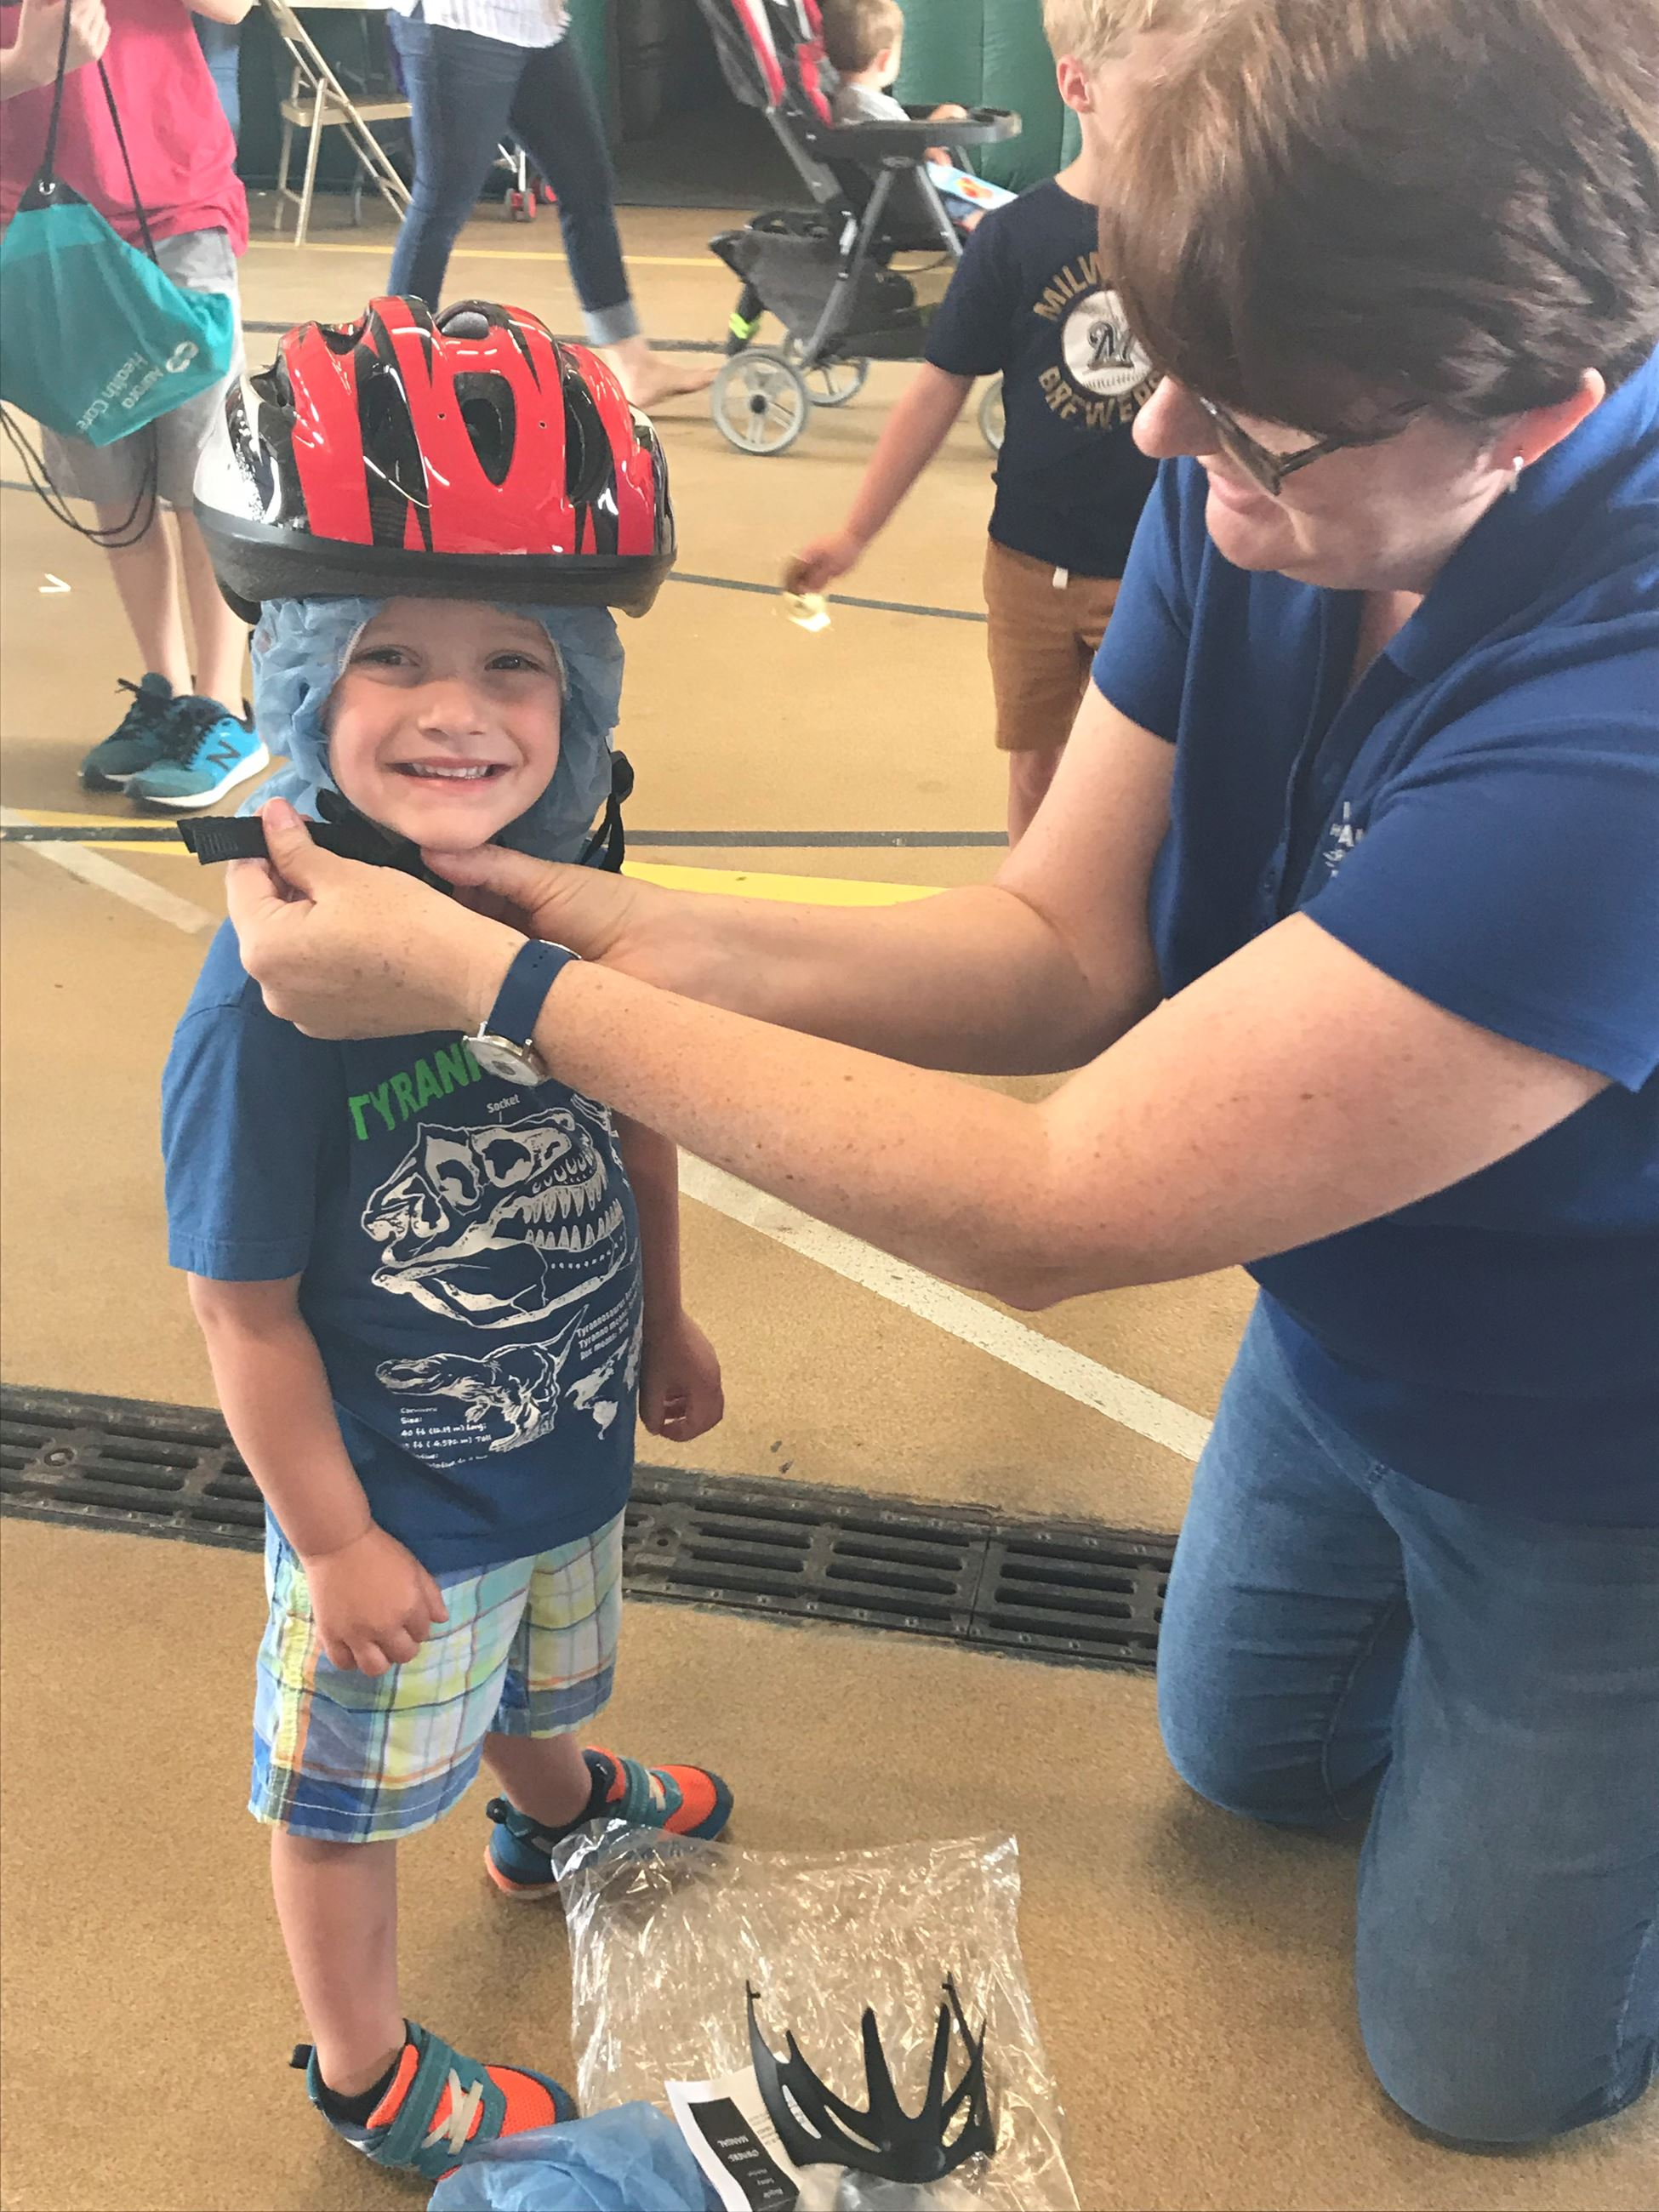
(827, 272)
(864, 42)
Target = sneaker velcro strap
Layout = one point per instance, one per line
(648, 1799)
(404, 2141)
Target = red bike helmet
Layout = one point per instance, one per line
(470, 455)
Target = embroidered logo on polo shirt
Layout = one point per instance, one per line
(1344, 834)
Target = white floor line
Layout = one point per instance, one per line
(1074, 1375)
(106, 875)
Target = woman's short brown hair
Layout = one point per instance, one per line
(1319, 207)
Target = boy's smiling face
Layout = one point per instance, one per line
(444, 725)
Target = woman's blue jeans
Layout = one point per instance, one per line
(221, 46)
(1338, 1637)
(467, 93)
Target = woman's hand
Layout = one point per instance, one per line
(599, 915)
(681, 1396)
(32, 58)
(341, 950)
(374, 1603)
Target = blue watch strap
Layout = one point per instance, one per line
(526, 985)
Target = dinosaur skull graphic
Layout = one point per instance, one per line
(500, 1227)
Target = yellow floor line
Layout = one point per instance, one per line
(805, 890)
(704, 261)
(735, 883)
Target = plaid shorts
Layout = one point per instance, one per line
(529, 1649)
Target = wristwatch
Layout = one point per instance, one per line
(505, 1043)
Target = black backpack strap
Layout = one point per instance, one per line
(126, 158)
(50, 157)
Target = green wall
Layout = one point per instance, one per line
(591, 30)
(991, 53)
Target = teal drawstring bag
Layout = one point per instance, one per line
(97, 340)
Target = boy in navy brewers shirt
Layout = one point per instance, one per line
(1030, 302)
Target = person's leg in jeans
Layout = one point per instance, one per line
(222, 49)
(1285, 1628)
(1508, 1951)
(555, 118)
(1331, 1628)
(461, 88)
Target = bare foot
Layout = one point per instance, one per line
(648, 378)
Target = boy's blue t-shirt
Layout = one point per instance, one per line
(1029, 301)
(1479, 819)
(470, 1257)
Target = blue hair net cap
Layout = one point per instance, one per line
(300, 648)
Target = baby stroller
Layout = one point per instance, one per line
(825, 272)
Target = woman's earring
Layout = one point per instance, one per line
(1517, 464)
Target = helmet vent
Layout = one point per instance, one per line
(588, 456)
(490, 414)
(392, 453)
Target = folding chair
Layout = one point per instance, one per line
(318, 101)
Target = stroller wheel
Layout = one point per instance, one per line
(759, 402)
(833, 382)
(990, 415)
(521, 206)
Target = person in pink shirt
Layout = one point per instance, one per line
(183, 741)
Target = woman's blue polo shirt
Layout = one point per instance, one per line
(1479, 819)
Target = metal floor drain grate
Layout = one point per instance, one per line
(1061, 1591)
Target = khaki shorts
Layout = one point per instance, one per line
(1043, 635)
(112, 476)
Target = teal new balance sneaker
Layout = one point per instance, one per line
(204, 752)
(135, 742)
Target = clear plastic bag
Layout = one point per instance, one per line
(666, 1932)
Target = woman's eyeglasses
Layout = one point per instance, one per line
(1269, 470)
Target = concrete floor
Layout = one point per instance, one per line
(1191, 1976)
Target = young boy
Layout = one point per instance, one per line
(1029, 301)
(864, 42)
(431, 1294)
(182, 742)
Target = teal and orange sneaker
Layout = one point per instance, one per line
(437, 2103)
(685, 1800)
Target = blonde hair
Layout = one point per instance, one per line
(856, 31)
(1095, 32)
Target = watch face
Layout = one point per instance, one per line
(507, 1062)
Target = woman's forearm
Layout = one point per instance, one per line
(932, 1169)
(274, 1394)
(973, 981)
(1036, 973)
